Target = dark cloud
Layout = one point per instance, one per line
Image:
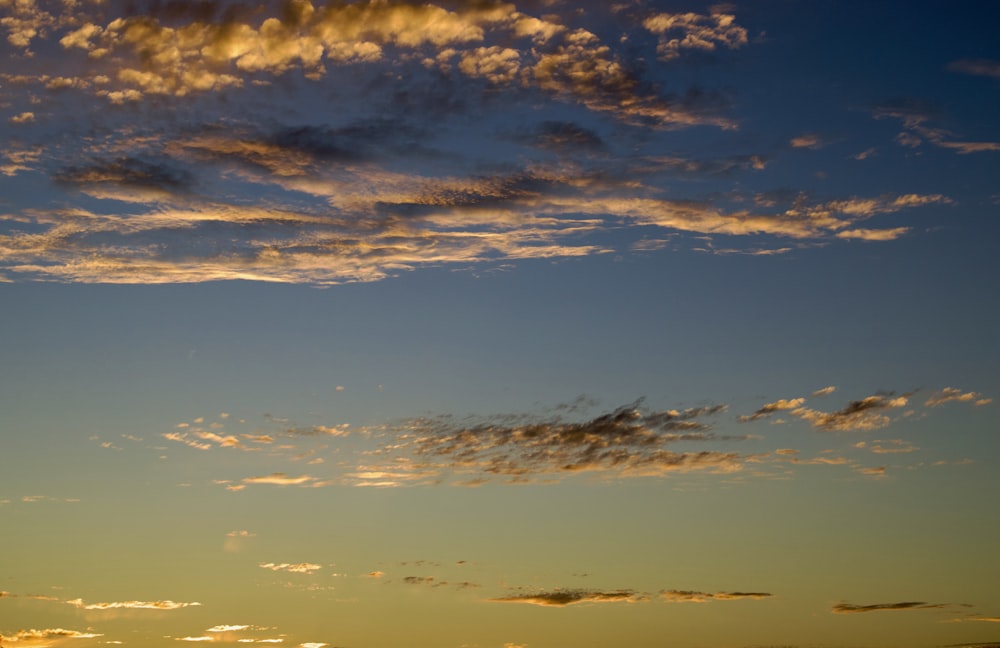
(850, 608)
(563, 136)
(128, 172)
(562, 598)
(629, 441)
(349, 143)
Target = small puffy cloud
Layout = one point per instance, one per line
(23, 118)
(850, 608)
(825, 391)
(809, 141)
(690, 596)
(562, 598)
(951, 394)
(296, 568)
(374, 574)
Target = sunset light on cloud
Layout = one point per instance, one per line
(540, 324)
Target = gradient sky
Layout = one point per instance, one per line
(542, 324)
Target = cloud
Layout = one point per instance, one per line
(888, 446)
(46, 637)
(684, 32)
(916, 117)
(951, 394)
(279, 479)
(562, 598)
(979, 67)
(809, 141)
(132, 605)
(227, 628)
(771, 408)
(864, 414)
(629, 441)
(689, 596)
(296, 568)
(850, 608)
(825, 391)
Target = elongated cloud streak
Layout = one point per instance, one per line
(132, 605)
(562, 598)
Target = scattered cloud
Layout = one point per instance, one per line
(296, 568)
(280, 479)
(46, 637)
(864, 414)
(951, 394)
(689, 596)
(131, 605)
(808, 141)
(681, 33)
(916, 118)
(825, 391)
(562, 598)
(627, 442)
(227, 628)
(888, 446)
(771, 408)
(850, 608)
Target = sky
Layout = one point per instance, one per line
(540, 324)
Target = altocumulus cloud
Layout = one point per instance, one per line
(361, 199)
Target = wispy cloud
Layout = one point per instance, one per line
(916, 118)
(850, 608)
(770, 408)
(279, 479)
(979, 67)
(292, 568)
(562, 598)
(951, 394)
(46, 637)
(689, 596)
(627, 442)
(132, 605)
(864, 414)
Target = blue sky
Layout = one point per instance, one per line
(377, 324)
